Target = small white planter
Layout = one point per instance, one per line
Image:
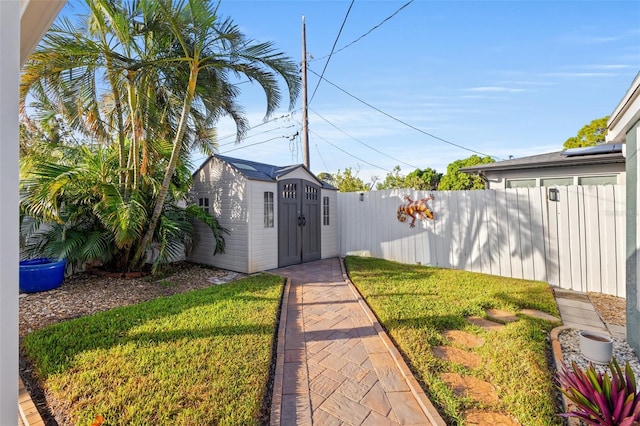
(595, 347)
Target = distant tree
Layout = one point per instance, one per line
(454, 179)
(425, 179)
(591, 134)
(346, 181)
(393, 180)
(327, 177)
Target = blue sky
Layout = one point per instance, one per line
(497, 77)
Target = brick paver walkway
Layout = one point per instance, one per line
(335, 365)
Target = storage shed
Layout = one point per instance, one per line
(276, 216)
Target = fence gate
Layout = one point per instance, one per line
(298, 222)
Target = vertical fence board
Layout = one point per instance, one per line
(483, 243)
(538, 246)
(454, 229)
(442, 212)
(564, 243)
(592, 240)
(525, 232)
(492, 231)
(515, 252)
(620, 236)
(575, 235)
(621, 232)
(463, 230)
(433, 252)
(607, 231)
(503, 233)
(553, 261)
(582, 227)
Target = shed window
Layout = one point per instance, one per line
(598, 180)
(268, 209)
(310, 192)
(564, 181)
(325, 210)
(204, 203)
(521, 183)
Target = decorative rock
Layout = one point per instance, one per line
(482, 418)
(463, 338)
(502, 316)
(622, 352)
(486, 324)
(448, 353)
(230, 276)
(471, 387)
(539, 314)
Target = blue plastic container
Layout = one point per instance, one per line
(41, 274)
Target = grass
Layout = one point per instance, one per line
(415, 304)
(196, 358)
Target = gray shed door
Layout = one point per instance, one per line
(298, 222)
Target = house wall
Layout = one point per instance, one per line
(228, 194)
(330, 243)
(263, 242)
(624, 127)
(9, 242)
(576, 243)
(497, 179)
(633, 238)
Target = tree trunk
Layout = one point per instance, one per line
(138, 258)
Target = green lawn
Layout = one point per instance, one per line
(196, 358)
(415, 304)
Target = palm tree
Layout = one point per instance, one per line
(204, 51)
(75, 211)
(148, 80)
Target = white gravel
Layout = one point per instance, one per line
(570, 343)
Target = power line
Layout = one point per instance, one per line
(251, 136)
(404, 122)
(370, 31)
(349, 154)
(233, 135)
(367, 145)
(258, 134)
(331, 53)
(254, 144)
(322, 159)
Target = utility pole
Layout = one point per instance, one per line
(305, 113)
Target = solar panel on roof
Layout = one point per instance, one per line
(244, 166)
(607, 148)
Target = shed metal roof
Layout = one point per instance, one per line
(261, 171)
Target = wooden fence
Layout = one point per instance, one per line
(577, 242)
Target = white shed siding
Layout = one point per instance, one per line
(227, 192)
(262, 242)
(329, 245)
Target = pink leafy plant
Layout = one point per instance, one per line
(601, 399)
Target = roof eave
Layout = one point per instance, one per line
(582, 162)
(626, 114)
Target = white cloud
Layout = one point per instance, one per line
(494, 89)
(610, 66)
(580, 74)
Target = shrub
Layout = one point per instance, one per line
(601, 399)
